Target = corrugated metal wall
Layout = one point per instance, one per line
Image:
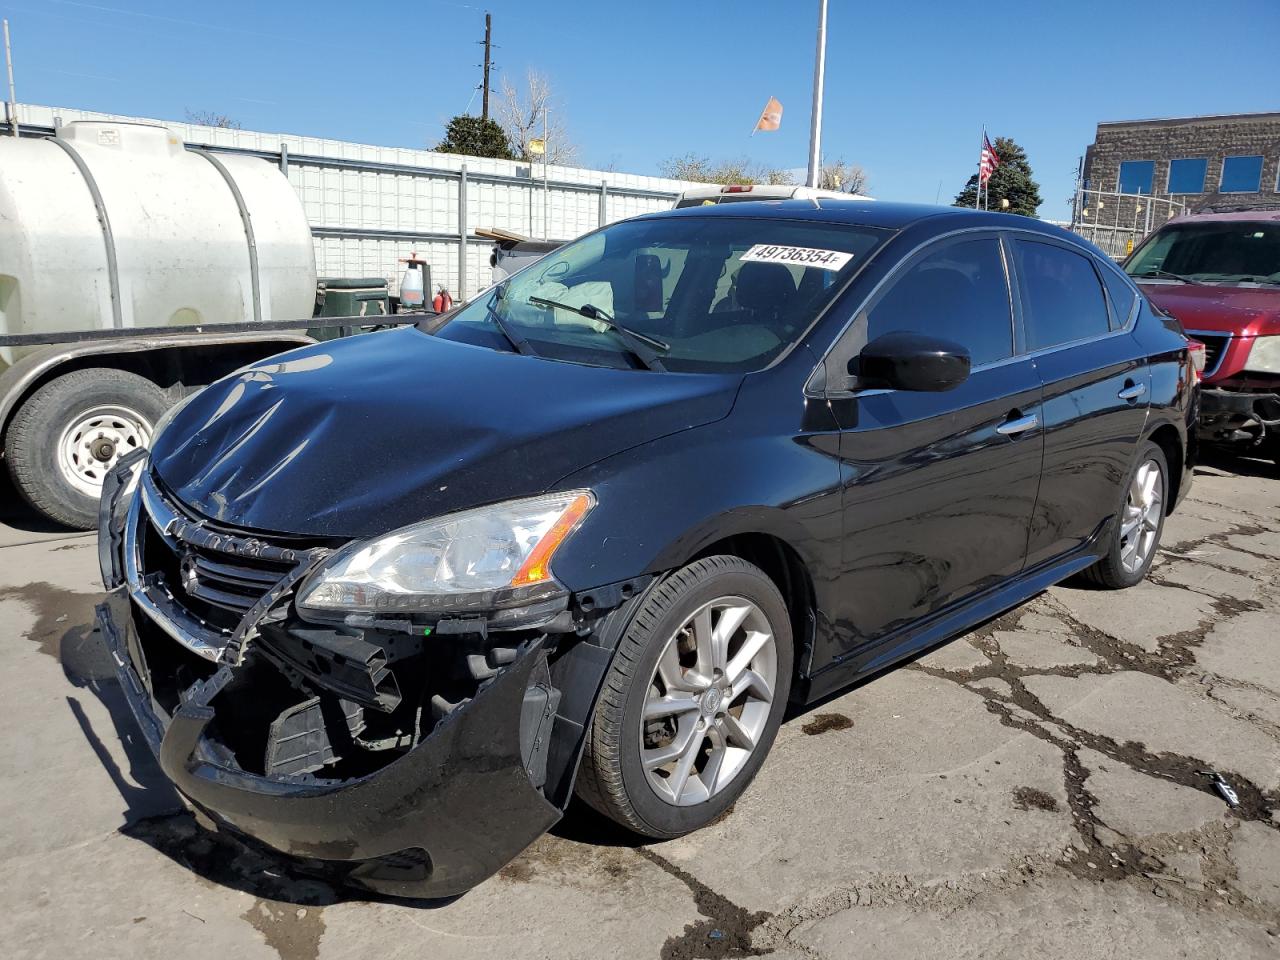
(370, 206)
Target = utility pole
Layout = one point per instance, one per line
(488, 40)
(815, 122)
(13, 100)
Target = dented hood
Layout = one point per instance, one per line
(359, 436)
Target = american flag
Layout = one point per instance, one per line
(990, 160)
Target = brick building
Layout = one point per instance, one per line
(1200, 161)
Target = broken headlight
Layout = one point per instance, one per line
(490, 557)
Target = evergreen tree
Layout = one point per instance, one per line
(475, 137)
(1011, 181)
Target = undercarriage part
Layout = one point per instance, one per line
(298, 741)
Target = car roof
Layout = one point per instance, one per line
(894, 216)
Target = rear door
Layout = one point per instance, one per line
(938, 487)
(1096, 389)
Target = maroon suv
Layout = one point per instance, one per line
(1219, 274)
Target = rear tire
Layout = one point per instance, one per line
(67, 435)
(687, 684)
(1134, 537)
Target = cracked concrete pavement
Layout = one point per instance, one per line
(1037, 787)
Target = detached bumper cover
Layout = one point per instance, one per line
(433, 823)
(1237, 415)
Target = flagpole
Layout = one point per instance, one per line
(815, 121)
(982, 145)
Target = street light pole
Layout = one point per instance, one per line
(815, 121)
(546, 151)
(13, 100)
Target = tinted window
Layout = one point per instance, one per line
(1062, 298)
(1241, 175)
(1122, 296)
(1136, 176)
(1187, 176)
(958, 293)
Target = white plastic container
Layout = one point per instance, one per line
(174, 225)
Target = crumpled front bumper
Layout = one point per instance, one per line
(433, 822)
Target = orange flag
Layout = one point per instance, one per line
(770, 117)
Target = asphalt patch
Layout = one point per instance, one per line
(825, 722)
(727, 929)
(1029, 798)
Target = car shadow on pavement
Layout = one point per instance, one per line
(1234, 463)
(155, 814)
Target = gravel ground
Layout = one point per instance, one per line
(1034, 788)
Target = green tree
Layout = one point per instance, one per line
(1011, 181)
(475, 137)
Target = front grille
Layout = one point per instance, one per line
(214, 573)
(1215, 347)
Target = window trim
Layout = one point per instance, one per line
(816, 385)
(1168, 178)
(1151, 185)
(1106, 298)
(1262, 163)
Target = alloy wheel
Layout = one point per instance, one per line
(708, 701)
(1140, 522)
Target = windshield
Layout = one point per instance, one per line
(1214, 252)
(699, 294)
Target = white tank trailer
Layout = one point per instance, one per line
(107, 227)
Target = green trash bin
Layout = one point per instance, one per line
(349, 297)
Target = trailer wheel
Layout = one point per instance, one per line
(70, 432)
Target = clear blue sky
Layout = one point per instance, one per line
(909, 84)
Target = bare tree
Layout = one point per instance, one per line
(843, 176)
(700, 169)
(521, 113)
(211, 118)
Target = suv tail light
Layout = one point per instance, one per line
(1196, 350)
(737, 188)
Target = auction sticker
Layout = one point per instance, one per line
(800, 256)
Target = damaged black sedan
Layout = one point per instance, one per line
(385, 604)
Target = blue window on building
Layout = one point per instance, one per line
(1187, 176)
(1136, 176)
(1241, 175)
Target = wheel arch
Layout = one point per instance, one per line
(1167, 437)
(766, 537)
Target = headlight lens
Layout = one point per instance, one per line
(1264, 355)
(478, 557)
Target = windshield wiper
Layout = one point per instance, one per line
(640, 344)
(1167, 275)
(516, 339)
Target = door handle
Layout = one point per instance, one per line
(1133, 391)
(1012, 428)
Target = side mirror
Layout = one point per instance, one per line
(648, 283)
(911, 361)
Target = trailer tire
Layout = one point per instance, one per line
(65, 436)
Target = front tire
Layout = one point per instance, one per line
(70, 432)
(692, 701)
(1135, 536)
